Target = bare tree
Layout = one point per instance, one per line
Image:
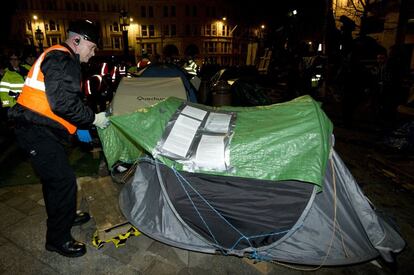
(361, 10)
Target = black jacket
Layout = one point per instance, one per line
(62, 76)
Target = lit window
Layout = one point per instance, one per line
(208, 29)
(115, 27)
(52, 26)
(28, 25)
(211, 47)
(224, 31)
(213, 29)
(144, 30)
(151, 30)
(224, 47)
(148, 47)
(166, 30)
(54, 40)
(116, 42)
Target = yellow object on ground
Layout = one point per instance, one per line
(118, 240)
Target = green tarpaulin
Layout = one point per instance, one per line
(285, 141)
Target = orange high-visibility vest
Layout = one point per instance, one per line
(33, 95)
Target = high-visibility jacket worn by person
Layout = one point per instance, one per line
(10, 86)
(53, 90)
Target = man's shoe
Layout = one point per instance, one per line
(81, 218)
(69, 249)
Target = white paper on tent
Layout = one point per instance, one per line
(181, 136)
(218, 123)
(194, 112)
(210, 153)
(198, 138)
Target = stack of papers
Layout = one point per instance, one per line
(186, 131)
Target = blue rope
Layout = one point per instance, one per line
(179, 176)
(256, 256)
(192, 202)
(182, 180)
(198, 212)
(258, 236)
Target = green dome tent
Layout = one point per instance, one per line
(282, 194)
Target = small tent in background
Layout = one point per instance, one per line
(171, 70)
(286, 196)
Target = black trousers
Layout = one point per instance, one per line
(50, 162)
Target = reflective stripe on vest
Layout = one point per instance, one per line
(104, 69)
(33, 94)
(113, 73)
(143, 63)
(122, 70)
(88, 84)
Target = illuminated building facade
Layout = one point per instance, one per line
(156, 27)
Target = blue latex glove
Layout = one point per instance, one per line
(84, 136)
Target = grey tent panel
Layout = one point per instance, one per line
(337, 226)
(236, 213)
(145, 205)
(360, 234)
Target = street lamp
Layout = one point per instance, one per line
(261, 32)
(39, 37)
(124, 22)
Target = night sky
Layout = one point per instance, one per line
(275, 12)
(6, 11)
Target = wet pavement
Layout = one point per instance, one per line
(22, 216)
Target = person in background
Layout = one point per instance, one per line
(382, 92)
(98, 89)
(49, 110)
(28, 60)
(11, 84)
(191, 67)
(143, 62)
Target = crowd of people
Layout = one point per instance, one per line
(365, 74)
